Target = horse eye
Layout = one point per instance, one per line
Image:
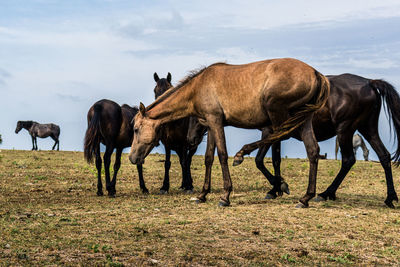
(136, 130)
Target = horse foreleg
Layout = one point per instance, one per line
(141, 179)
(348, 160)
(219, 135)
(167, 165)
(208, 162)
(182, 155)
(279, 185)
(188, 171)
(312, 148)
(33, 142)
(185, 161)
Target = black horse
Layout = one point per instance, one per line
(174, 137)
(354, 104)
(36, 129)
(111, 125)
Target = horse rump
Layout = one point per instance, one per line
(93, 135)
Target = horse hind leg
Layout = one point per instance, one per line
(98, 167)
(372, 136)
(33, 142)
(107, 162)
(55, 142)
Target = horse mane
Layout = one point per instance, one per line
(27, 123)
(192, 74)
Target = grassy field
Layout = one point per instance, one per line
(50, 215)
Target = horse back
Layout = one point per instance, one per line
(109, 117)
(245, 92)
(352, 99)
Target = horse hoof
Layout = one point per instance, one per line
(237, 160)
(100, 193)
(163, 192)
(189, 191)
(301, 206)
(285, 188)
(389, 203)
(270, 196)
(319, 199)
(145, 191)
(223, 203)
(111, 195)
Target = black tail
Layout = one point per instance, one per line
(92, 136)
(392, 99)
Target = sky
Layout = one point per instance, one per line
(59, 57)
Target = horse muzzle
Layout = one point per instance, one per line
(136, 160)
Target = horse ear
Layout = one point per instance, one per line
(156, 78)
(169, 77)
(142, 109)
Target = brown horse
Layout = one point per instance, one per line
(173, 135)
(111, 125)
(281, 93)
(354, 104)
(36, 130)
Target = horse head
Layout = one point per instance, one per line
(196, 132)
(146, 133)
(19, 127)
(162, 84)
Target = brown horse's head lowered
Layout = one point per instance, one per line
(280, 93)
(145, 138)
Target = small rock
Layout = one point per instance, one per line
(154, 261)
(7, 246)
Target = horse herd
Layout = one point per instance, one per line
(281, 97)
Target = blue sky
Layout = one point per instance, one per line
(58, 57)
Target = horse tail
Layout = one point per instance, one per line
(93, 134)
(318, 98)
(392, 99)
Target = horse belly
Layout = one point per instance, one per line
(251, 118)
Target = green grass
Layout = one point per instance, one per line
(50, 215)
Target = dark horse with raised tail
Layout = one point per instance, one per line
(36, 130)
(174, 137)
(354, 104)
(111, 125)
(281, 93)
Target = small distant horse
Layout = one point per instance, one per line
(357, 142)
(109, 124)
(354, 104)
(40, 130)
(1, 139)
(281, 93)
(174, 137)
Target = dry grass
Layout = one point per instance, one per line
(50, 215)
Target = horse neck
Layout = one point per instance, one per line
(176, 106)
(27, 125)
